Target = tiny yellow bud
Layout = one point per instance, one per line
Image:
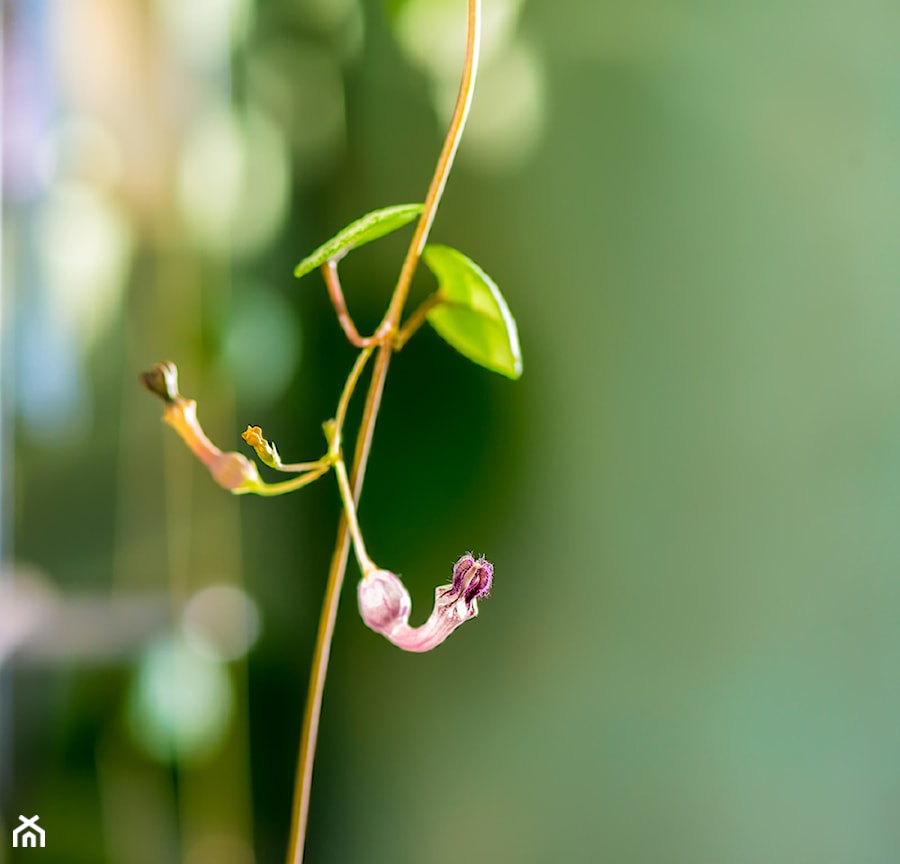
(266, 451)
(254, 437)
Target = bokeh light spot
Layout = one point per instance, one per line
(329, 15)
(221, 622)
(507, 117)
(205, 31)
(79, 147)
(181, 702)
(432, 33)
(301, 84)
(233, 180)
(261, 344)
(508, 111)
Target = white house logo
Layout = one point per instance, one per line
(29, 833)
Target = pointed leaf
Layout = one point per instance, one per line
(364, 230)
(473, 317)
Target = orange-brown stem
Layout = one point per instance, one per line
(385, 339)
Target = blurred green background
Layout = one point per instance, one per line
(691, 497)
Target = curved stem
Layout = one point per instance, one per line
(344, 402)
(280, 488)
(366, 564)
(442, 171)
(333, 283)
(416, 320)
(386, 331)
(300, 467)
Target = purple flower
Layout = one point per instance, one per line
(384, 604)
(472, 578)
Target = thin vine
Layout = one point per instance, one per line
(469, 312)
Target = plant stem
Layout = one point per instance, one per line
(312, 712)
(366, 565)
(283, 486)
(344, 402)
(416, 320)
(442, 171)
(386, 331)
(330, 274)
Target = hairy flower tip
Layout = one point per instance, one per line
(384, 602)
(162, 381)
(472, 577)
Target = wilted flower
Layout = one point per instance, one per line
(384, 604)
(232, 471)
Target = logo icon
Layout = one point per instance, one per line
(33, 837)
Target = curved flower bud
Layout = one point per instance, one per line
(383, 601)
(384, 604)
(232, 471)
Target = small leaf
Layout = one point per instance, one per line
(473, 316)
(364, 230)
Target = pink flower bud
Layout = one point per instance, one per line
(234, 472)
(384, 604)
(383, 601)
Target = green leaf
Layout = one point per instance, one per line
(473, 316)
(364, 230)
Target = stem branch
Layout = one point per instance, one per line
(329, 271)
(416, 320)
(283, 486)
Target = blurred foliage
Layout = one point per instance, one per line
(690, 498)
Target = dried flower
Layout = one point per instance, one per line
(162, 381)
(232, 471)
(384, 604)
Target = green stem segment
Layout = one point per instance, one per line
(366, 564)
(416, 320)
(280, 488)
(386, 332)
